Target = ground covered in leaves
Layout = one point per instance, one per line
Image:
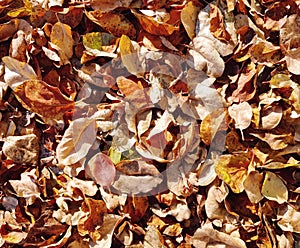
(145, 123)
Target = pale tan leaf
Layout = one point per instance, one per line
(252, 185)
(289, 219)
(242, 115)
(16, 72)
(207, 236)
(77, 140)
(136, 184)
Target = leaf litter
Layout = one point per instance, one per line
(149, 123)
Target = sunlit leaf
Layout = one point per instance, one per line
(61, 36)
(77, 140)
(274, 189)
(101, 169)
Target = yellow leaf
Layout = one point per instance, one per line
(92, 41)
(233, 169)
(189, 18)
(61, 36)
(274, 189)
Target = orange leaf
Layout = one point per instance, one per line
(43, 99)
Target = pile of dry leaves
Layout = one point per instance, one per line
(146, 123)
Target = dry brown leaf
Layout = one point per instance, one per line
(115, 23)
(107, 5)
(8, 29)
(217, 27)
(45, 100)
(155, 27)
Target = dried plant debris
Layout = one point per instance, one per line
(146, 123)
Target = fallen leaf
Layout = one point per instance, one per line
(115, 23)
(22, 149)
(61, 36)
(106, 5)
(208, 236)
(289, 219)
(189, 17)
(233, 170)
(26, 188)
(8, 29)
(242, 115)
(153, 26)
(131, 56)
(136, 184)
(16, 72)
(101, 169)
(77, 140)
(252, 185)
(43, 99)
(217, 27)
(274, 189)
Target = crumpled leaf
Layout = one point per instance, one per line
(288, 32)
(154, 26)
(77, 140)
(289, 219)
(153, 238)
(61, 36)
(106, 232)
(101, 169)
(26, 188)
(217, 27)
(274, 189)
(22, 149)
(43, 99)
